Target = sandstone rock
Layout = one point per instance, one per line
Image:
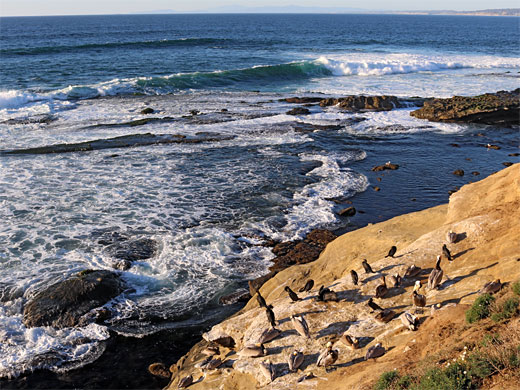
(386, 166)
(458, 172)
(241, 295)
(361, 103)
(513, 154)
(475, 173)
(159, 369)
(348, 212)
(64, 303)
(298, 111)
(507, 163)
(501, 108)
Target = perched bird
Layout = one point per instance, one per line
(381, 289)
(350, 341)
(328, 357)
(491, 287)
(253, 350)
(354, 276)
(210, 350)
(210, 363)
(375, 351)
(308, 286)
(268, 370)
(446, 252)
(419, 300)
(185, 382)
(373, 305)
(367, 267)
(295, 360)
(326, 294)
(412, 271)
(409, 320)
(294, 297)
(260, 299)
(270, 315)
(392, 251)
(268, 335)
(395, 280)
(436, 275)
(384, 316)
(451, 237)
(301, 326)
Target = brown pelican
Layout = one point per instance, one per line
(295, 360)
(270, 315)
(307, 287)
(451, 237)
(294, 297)
(373, 305)
(395, 280)
(350, 341)
(491, 287)
(260, 299)
(381, 289)
(419, 300)
(210, 350)
(436, 275)
(268, 370)
(446, 252)
(412, 271)
(301, 326)
(354, 277)
(328, 357)
(375, 351)
(384, 316)
(367, 267)
(392, 251)
(409, 320)
(185, 382)
(326, 294)
(253, 350)
(268, 335)
(210, 363)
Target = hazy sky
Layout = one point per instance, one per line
(72, 7)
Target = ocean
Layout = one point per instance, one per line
(218, 167)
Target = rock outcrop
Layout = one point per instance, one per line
(501, 108)
(64, 303)
(363, 103)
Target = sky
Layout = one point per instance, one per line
(81, 7)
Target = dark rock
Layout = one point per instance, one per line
(302, 100)
(362, 103)
(475, 173)
(159, 369)
(64, 303)
(455, 145)
(377, 189)
(298, 111)
(132, 250)
(347, 212)
(494, 147)
(122, 265)
(147, 110)
(241, 295)
(98, 315)
(309, 127)
(501, 108)
(224, 110)
(507, 163)
(194, 112)
(514, 154)
(458, 172)
(386, 166)
(452, 191)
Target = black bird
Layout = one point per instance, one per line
(354, 276)
(308, 286)
(260, 299)
(373, 305)
(392, 251)
(270, 315)
(294, 297)
(446, 252)
(326, 294)
(367, 267)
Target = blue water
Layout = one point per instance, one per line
(250, 171)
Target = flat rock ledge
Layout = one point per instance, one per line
(500, 108)
(64, 303)
(362, 103)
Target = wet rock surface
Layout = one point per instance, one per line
(298, 111)
(64, 303)
(500, 108)
(360, 103)
(387, 166)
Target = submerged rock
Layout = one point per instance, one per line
(132, 250)
(359, 103)
(147, 110)
(298, 111)
(458, 172)
(501, 108)
(64, 303)
(302, 100)
(386, 166)
(348, 212)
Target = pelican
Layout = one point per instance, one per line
(446, 252)
(409, 320)
(326, 294)
(210, 350)
(451, 237)
(295, 360)
(327, 357)
(268, 335)
(384, 316)
(419, 300)
(436, 275)
(185, 382)
(268, 370)
(367, 267)
(294, 297)
(307, 287)
(491, 287)
(354, 276)
(412, 271)
(395, 280)
(375, 351)
(270, 315)
(350, 341)
(260, 299)
(253, 350)
(301, 326)
(381, 289)
(373, 305)
(392, 251)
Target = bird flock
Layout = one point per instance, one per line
(328, 356)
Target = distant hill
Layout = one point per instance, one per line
(484, 12)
